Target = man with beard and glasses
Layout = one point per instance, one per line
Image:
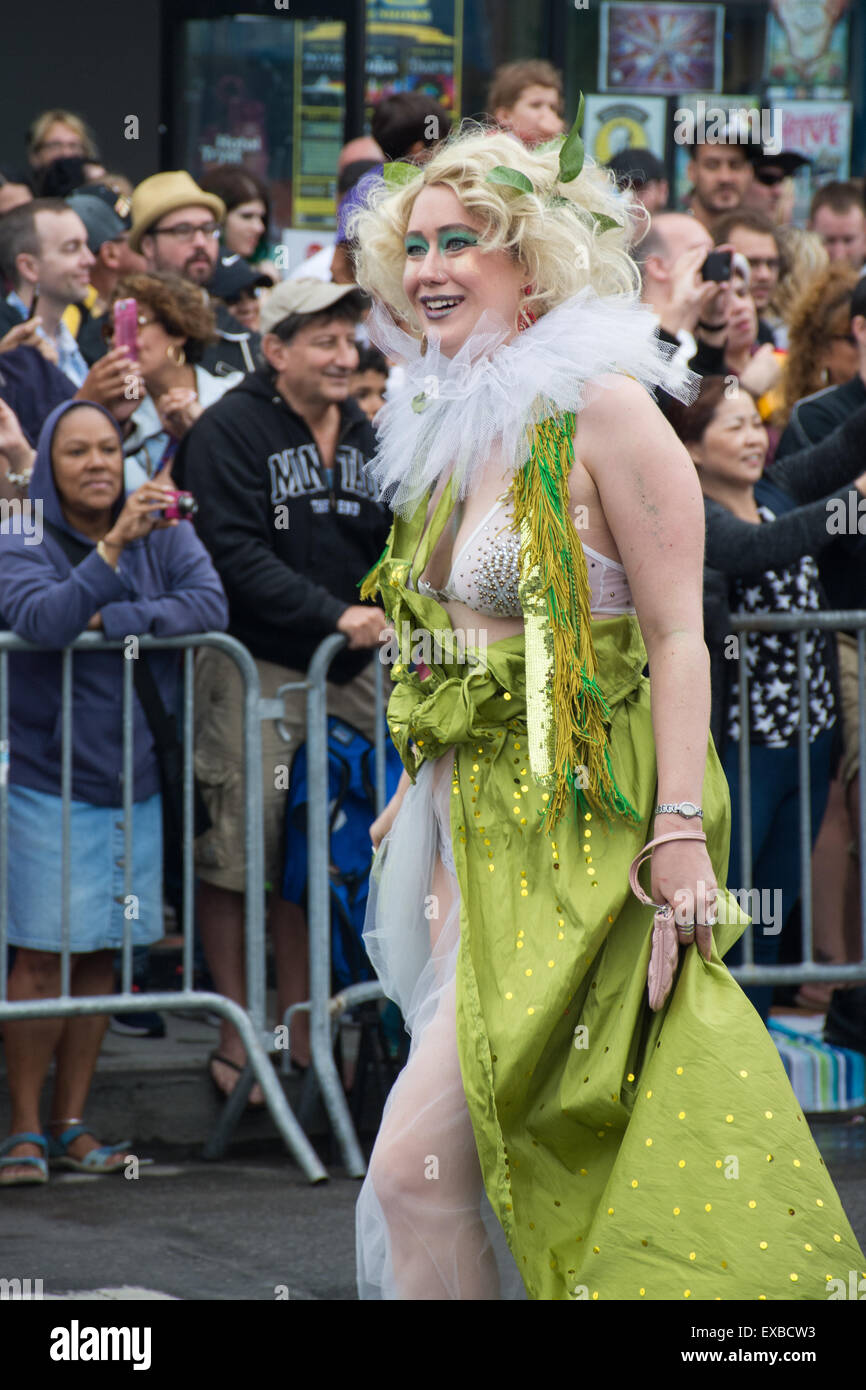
(176, 227)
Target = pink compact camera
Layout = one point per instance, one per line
(182, 507)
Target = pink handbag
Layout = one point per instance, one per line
(664, 956)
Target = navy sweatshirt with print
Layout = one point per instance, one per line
(291, 540)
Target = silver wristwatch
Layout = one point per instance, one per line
(688, 809)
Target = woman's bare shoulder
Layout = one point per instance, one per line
(612, 397)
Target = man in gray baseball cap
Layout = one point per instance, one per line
(299, 298)
(293, 523)
(105, 215)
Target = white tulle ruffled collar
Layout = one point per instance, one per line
(452, 414)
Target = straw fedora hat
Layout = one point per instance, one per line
(162, 193)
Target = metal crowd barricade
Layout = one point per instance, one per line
(326, 1009)
(251, 1022)
(800, 623)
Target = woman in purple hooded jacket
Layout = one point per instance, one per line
(141, 575)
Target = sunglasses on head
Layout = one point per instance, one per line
(770, 176)
(108, 325)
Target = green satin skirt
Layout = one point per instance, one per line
(626, 1154)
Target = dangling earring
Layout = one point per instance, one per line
(175, 353)
(525, 317)
(825, 377)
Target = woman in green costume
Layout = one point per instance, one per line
(551, 1136)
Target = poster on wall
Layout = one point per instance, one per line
(706, 102)
(415, 46)
(807, 47)
(300, 245)
(821, 130)
(412, 46)
(660, 48)
(237, 76)
(613, 124)
(318, 118)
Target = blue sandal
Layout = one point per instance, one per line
(39, 1165)
(97, 1161)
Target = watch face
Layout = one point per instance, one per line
(688, 808)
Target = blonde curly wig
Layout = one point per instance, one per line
(560, 244)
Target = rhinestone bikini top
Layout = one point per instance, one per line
(484, 575)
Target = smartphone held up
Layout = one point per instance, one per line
(722, 264)
(717, 266)
(126, 326)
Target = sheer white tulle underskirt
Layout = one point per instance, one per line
(425, 1229)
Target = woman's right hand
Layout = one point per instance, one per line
(137, 518)
(114, 382)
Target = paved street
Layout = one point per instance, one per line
(247, 1229)
(187, 1229)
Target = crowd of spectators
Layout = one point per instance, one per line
(777, 437)
(258, 395)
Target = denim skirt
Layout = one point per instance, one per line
(99, 907)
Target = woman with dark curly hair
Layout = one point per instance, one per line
(821, 351)
(175, 325)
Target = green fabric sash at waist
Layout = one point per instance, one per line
(458, 702)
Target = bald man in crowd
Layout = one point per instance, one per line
(691, 311)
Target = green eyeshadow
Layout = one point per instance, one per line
(449, 234)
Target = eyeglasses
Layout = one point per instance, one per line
(108, 326)
(187, 231)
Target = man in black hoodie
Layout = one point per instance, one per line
(293, 524)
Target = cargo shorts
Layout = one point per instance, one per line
(219, 699)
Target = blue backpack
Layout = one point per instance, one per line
(352, 810)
